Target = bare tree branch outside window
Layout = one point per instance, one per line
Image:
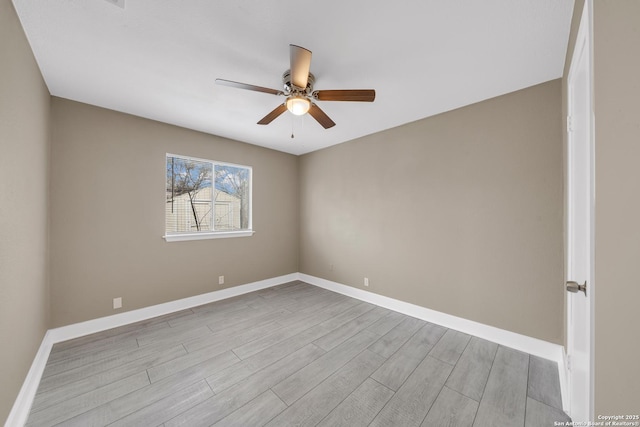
(189, 177)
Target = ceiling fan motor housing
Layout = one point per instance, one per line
(291, 89)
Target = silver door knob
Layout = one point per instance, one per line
(575, 287)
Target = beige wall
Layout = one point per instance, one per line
(24, 141)
(107, 215)
(460, 213)
(617, 248)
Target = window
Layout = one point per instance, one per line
(206, 199)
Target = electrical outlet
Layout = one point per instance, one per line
(366, 281)
(330, 267)
(117, 303)
(220, 280)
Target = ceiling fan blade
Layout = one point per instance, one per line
(248, 87)
(300, 63)
(360, 95)
(321, 117)
(273, 115)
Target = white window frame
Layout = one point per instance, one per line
(204, 235)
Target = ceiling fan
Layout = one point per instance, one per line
(298, 90)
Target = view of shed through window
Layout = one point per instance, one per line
(204, 196)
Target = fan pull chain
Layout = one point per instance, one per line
(300, 120)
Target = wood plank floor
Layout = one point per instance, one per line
(298, 355)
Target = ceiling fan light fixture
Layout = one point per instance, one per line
(298, 105)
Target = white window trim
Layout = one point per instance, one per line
(205, 235)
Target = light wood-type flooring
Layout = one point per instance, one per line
(293, 354)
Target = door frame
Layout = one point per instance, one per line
(583, 46)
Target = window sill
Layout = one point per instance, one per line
(204, 236)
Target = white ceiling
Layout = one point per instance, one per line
(159, 58)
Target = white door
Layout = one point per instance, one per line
(580, 204)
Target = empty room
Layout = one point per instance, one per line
(276, 213)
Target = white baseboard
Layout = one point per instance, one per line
(21, 407)
(103, 323)
(537, 347)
